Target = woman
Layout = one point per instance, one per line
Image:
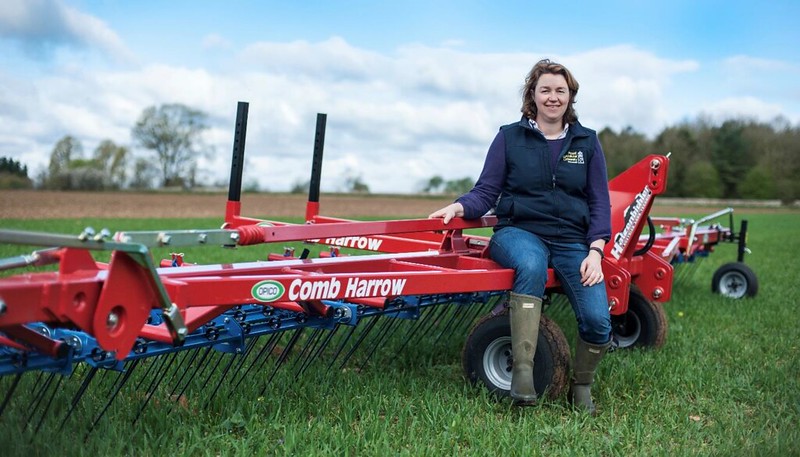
(546, 178)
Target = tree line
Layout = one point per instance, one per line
(170, 133)
(738, 158)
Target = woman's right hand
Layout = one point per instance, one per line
(448, 212)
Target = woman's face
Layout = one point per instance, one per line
(551, 96)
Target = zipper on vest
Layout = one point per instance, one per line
(554, 181)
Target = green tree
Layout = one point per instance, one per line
(758, 183)
(174, 133)
(624, 149)
(111, 160)
(681, 142)
(702, 180)
(433, 185)
(356, 184)
(13, 174)
(300, 187)
(459, 186)
(730, 156)
(144, 174)
(66, 150)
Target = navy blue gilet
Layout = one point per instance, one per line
(551, 203)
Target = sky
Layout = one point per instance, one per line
(411, 89)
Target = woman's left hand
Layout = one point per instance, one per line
(591, 269)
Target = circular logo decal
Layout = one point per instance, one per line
(267, 291)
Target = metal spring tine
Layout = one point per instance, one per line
(244, 356)
(319, 350)
(227, 368)
(38, 397)
(455, 311)
(309, 350)
(150, 365)
(469, 313)
(166, 363)
(358, 341)
(388, 328)
(681, 273)
(40, 376)
(184, 355)
(55, 390)
(78, 395)
(10, 393)
(189, 356)
(409, 336)
(124, 377)
(288, 349)
(193, 376)
(259, 360)
(213, 370)
(431, 318)
(478, 309)
(342, 345)
(282, 358)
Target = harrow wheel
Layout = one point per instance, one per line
(487, 357)
(643, 325)
(735, 280)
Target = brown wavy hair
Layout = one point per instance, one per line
(546, 66)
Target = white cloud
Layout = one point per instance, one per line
(747, 107)
(396, 119)
(216, 41)
(41, 24)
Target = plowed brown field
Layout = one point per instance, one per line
(19, 204)
(27, 204)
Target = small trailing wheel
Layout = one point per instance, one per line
(487, 358)
(735, 280)
(644, 324)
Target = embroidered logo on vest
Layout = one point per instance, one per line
(573, 157)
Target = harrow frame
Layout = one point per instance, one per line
(110, 315)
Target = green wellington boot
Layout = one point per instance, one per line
(587, 357)
(524, 314)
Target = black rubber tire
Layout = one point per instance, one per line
(487, 359)
(644, 325)
(735, 280)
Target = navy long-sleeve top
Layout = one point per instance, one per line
(487, 189)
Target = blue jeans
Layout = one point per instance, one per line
(530, 256)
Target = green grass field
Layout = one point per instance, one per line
(727, 382)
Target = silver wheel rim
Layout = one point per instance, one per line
(629, 339)
(733, 284)
(497, 362)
